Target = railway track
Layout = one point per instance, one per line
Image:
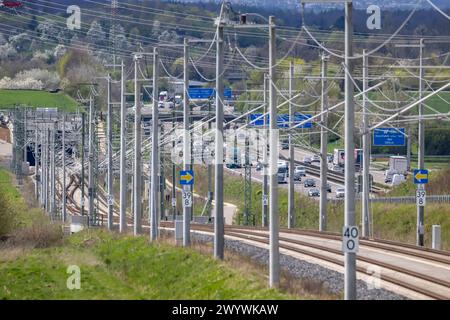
(314, 244)
(429, 286)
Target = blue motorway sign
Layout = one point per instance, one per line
(420, 176)
(257, 120)
(187, 177)
(393, 137)
(207, 93)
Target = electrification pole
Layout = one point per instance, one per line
(47, 173)
(366, 152)
(137, 190)
(187, 210)
(52, 173)
(210, 167)
(91, 161)
(83, 135)
(265, 193)
(174, 181)
(153, 198)
(36, 160)
(421, 153)
(219, 228)
(350, 257)
(274, 254)
(41, 161)
(64, 191)
(291, 192)
(110, 156)
(25, 135)
(123, 150)
(323, 147)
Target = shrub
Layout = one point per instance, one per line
(41, 233)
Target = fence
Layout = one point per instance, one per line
(407, 199)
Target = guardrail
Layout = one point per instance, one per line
(412, 199)
(406, 199)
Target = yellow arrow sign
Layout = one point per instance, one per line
(187, 177)
(421, 176)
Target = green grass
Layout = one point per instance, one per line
(124, 267)
(436, 102)
(6, 186)
(37, 99)
(112, 266)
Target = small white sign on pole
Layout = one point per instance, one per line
(350, 241)
(265, 200)
(421, 196)
(187, 199)
(110, 200)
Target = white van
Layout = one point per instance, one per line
(397, 179)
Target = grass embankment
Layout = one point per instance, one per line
(37, 99)
(124, 267)
(391, 221)
(34, 261)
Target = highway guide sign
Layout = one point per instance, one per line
(420, 176)
(257, 120)
(350, 241)
(187, 177)
(393, 137)
(421, 196)
(207, 93)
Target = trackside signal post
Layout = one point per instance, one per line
(420, 178)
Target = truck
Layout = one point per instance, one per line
(339, 157)
(397, 165)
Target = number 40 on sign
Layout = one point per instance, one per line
(350, 241)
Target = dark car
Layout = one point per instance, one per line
(285, 144)
(259, 166)
(314, 193)
(309, 183)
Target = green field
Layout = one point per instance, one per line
(440, 102)
(37, 99)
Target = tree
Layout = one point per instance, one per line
(96, 36)
(47, 30)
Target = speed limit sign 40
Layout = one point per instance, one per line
(350, 241)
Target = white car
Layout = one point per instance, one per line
(340, 193)
(338, 169)
(307, 160)
(299, 172)
(315, 158)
